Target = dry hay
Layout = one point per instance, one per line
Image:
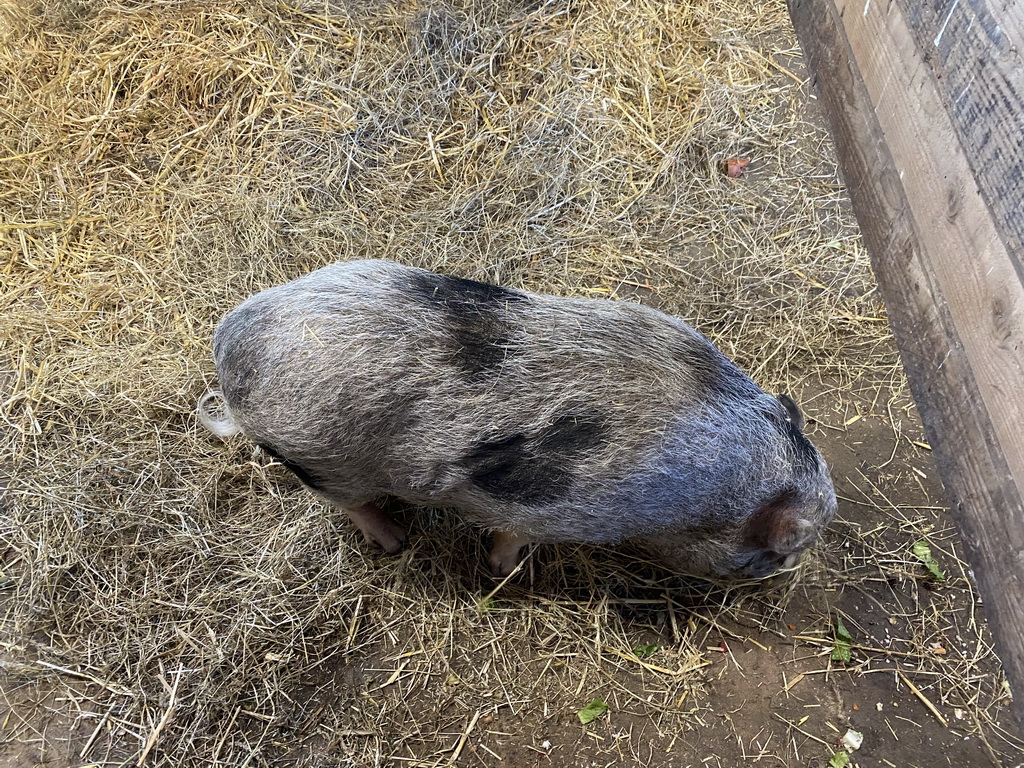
(173, 600)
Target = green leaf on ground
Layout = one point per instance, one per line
(592, 711)
(645, 651)
(843, 641)
(923, 553)
(840, 759)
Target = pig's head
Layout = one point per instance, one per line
(790, 520)
(767, 525)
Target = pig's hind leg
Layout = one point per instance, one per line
(505, 551)
(377, 527)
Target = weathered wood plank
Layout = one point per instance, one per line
(973, 48)
(955, 298)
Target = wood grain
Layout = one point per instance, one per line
(951, 285)
(973, 48)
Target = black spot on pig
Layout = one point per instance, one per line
(538, 469)
(310, 479)
(460, 295)
(571, 435)
(475, 317)
(510, 470)
(481, 347)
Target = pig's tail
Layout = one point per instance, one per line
(215, 415)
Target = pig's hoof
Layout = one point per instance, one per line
(503, 566)
(506, 551)
(387, 535)
(378, 528)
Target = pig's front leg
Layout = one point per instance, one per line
(377, 527)
(505, 551)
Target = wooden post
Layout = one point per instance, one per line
(927, 110)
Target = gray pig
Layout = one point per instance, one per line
(542, 419)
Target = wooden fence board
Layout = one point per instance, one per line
(947, 269)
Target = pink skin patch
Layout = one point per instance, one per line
(505, 551)
(378, 528)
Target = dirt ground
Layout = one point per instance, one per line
(747, 672)
(168, 599)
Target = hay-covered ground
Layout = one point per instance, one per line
(171, 600)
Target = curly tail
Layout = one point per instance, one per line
(215, 415)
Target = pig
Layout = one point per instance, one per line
(540, 418)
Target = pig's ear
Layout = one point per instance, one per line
(777, 524)
(792, 411)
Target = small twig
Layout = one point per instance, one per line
(504, 581)
(88, 744)
(924, 699)
(225, 734)
(434, 155)
(798, 729)
(155, 735)
(716, 625)
(119, 690)
(463, 739)
(792, 683)
(394, 676)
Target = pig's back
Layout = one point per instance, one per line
(378, 379)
